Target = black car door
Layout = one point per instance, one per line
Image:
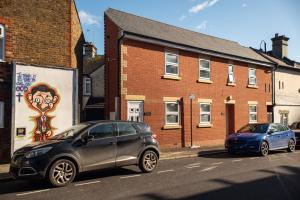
(129, 144)
(100, 149)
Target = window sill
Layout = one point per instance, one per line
(231, 84)
(253, 122)
(252, 86)
(205, 125)
(204, 81)
(2, 61)
(167, 127)
(171, 77)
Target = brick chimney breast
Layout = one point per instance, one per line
(280, 46)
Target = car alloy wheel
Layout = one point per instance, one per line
(292, 146)
(62, 172)
(149, 161)
(264, 149)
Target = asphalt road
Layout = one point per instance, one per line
(219, 176)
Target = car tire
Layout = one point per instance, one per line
(291, 146)
(148, 161)
(61, 173)
(264, 148)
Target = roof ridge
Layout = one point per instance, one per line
(185, 29)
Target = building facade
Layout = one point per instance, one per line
(39, 43)
(192, 89)
(93, 84)
(286, 76)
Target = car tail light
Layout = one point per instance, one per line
(154, 136)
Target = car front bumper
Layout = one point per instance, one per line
(21, 167)
(251, 147)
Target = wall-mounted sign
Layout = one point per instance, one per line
(21, 132)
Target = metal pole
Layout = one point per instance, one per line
(191, 106)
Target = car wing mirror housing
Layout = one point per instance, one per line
(87, 138)
(270, 131)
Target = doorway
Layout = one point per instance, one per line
(230, 119)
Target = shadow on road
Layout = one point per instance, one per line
(20, 186)
(277, 185)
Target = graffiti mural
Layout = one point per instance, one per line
(23, 82)
(43, 99)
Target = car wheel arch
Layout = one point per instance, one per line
(66, 157)
(149, 148)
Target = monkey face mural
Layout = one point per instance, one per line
(43, 99)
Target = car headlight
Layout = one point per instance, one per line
(37, 152)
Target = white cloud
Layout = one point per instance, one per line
(202, 26)
(89, 19)
(244, 5)
(202, 6)
(182, 17)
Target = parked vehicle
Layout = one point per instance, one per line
(87, 146)
(296, 128)
(261, 138)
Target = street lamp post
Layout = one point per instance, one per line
(191, 97)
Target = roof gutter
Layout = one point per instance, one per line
(133, 36)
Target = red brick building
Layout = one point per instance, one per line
(35, 33)
(153, 68)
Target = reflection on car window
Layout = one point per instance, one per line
(254, 128)
(70, 133)
(126, 129)
(102, 131)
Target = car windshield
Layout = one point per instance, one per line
(70, 133)
(254, 128)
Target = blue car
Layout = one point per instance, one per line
(261, 138)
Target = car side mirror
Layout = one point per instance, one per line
(270, 131)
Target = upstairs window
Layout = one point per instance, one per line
(204, 70)
(252, 76)
(171, 64)
(87, 86)
(230, 74)
(2, 42)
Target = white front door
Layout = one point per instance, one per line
(135, 111)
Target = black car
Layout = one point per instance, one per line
(87, 146)
(296, 128)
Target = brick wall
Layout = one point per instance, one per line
(41, 32)
(111, 34)
(142, 75)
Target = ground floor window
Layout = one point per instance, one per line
(284, 118)
(205, 113)
(172, 113)
(252, 113)
(1, 114)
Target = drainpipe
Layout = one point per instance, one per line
(274, 88)
(118, 75)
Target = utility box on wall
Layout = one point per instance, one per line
(43, 103)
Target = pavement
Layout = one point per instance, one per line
(206, 177)
(166, 154)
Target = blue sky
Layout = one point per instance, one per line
(247, 22)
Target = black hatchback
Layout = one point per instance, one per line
(85, 147)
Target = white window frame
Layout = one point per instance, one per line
(251, 77)
(87, 81)
(171, 63)
(252, 113)
(1, 114)
(2, 37)
(172, 113)
(204, 69)
(231, 73)
(205, 112)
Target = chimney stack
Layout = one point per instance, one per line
(89, 50)
(280, 46)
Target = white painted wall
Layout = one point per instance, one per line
(288, 97)
(62, 81)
